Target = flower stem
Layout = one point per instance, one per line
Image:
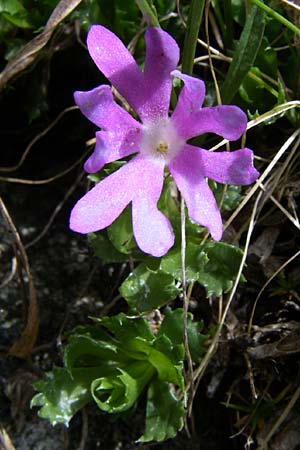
(149, 12)
(277, 16)
(190, 41)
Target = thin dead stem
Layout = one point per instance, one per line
(291, 4)
(276, 111)
(5, 441)
(190, 374)
(266, 284)
(56, 211)
(12, 273)
(84, 430)
(46, 180)
(280, 420)
(22, 348)
(266, 172)
(213, 50)
(211, 66)
(36, 139)
(198, 373)
(282, 208)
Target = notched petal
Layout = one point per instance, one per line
(139, 181)
(162, 56)
(99, 106)
(116, 63)
(152, 230)
(227, 121)
(200, 201)
(105, 202)
(191, 97)
(147, 92)
(189, 102)
(227, 167)
(111, 146)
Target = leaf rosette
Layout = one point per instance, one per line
(115, 362)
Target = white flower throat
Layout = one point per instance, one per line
(160, 140)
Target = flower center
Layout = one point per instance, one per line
(160, 140)
(162, 147)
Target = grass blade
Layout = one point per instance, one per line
(245, 53)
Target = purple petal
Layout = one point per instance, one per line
(111, 146)
(226, 167)
(162, 56)
(139, 181)
(117, 64)
(152, 230)
(105, 202)
(99, 107)
(191, 120)
(149, 92)
(200, 201)
(190, 99)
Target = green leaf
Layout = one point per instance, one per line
(14, 12)
(160, 354)
(120, 232)
(238, 11)
(164, 6)
(218, 274)
(107, 170)
(126, 327)
(214, 265)
(174, 350)
(172, 327)
(230, 198)
(168, 202)
(166, 369)
(149, 11)
(113, 367)
(20, 21)
(195, 258)
(61, 396)
(84, 351)
(270, 11)
(93, 11)
(266, 59)
(145, 290)
(13, 45)
(127, 17)
(11, 7)
(120, 391)
(104, 249)
(245, 53)
(164, 413)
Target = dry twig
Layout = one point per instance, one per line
(30, 51)
(22, 348)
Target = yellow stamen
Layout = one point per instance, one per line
(162, 147)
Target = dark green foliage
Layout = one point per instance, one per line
(113, 363)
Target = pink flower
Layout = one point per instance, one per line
(158, 141)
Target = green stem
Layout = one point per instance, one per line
(262, 83)
(191, 36)
(149, 12)
(277, 16)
